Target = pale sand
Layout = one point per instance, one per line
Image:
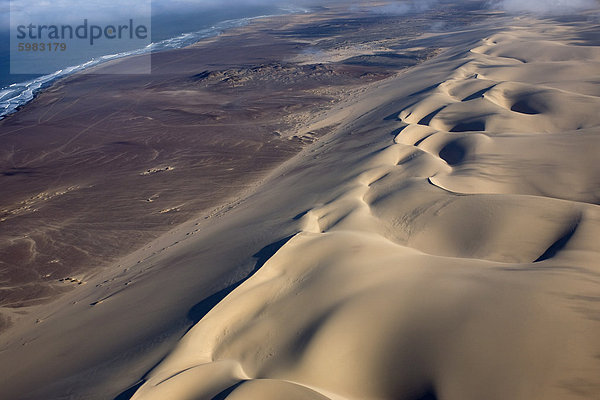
(444, 244)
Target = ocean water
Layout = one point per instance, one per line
(170, 30)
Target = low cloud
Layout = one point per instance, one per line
(400, 7)
(545, 7)
(69, 11)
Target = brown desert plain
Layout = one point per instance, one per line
(341, 204)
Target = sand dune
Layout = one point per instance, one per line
(458, 262)
(440, 243)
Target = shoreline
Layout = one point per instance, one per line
(47, 81)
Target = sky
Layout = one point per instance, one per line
(70, 11)
(75, 9)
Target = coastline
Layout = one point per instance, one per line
(31, 88)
